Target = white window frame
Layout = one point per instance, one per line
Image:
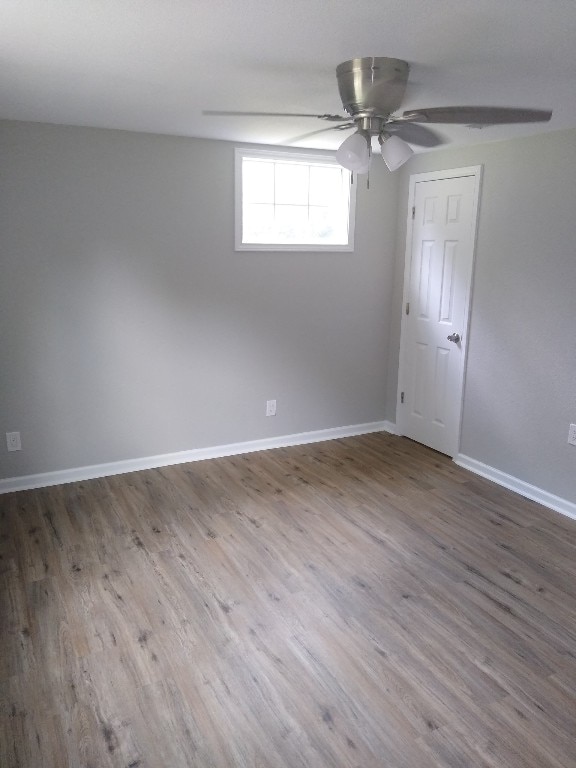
(287, 155)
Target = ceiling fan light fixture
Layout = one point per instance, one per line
(395, 151)
(354, 153)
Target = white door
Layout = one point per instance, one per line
(437, 283)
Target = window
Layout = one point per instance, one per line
(292, 202)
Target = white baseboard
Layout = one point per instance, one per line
(76, 474)
(556, 503)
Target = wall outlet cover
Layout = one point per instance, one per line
(572, 434)
(13, 442)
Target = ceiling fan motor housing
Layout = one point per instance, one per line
(372, 87)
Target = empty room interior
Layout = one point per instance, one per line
(288, 384)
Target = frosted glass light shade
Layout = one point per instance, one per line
(395, 152)
(364, 168)
(354, 154)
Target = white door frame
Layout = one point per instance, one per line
(452, 173)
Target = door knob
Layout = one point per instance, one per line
(455, 337)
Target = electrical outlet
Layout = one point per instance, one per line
(270, 407)
(13, 442)
(572, 434)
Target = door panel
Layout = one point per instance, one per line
(437, 285)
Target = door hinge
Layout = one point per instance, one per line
(407, 307)
(413, 211)
(401, 397)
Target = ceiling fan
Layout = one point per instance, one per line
(372, 89)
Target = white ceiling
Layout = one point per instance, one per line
(154, 65)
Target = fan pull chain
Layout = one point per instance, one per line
(369, 163)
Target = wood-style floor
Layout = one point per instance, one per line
(360, 603)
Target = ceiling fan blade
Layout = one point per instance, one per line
(342, 127)
(224, 113)
(477, 115)
(414, 133)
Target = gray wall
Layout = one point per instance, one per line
(130, 327)
(520, 393)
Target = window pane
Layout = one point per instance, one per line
(258, 223)
(258, 181)
(327, 228)
(292, 223)
(325, 185)
(291, 184)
